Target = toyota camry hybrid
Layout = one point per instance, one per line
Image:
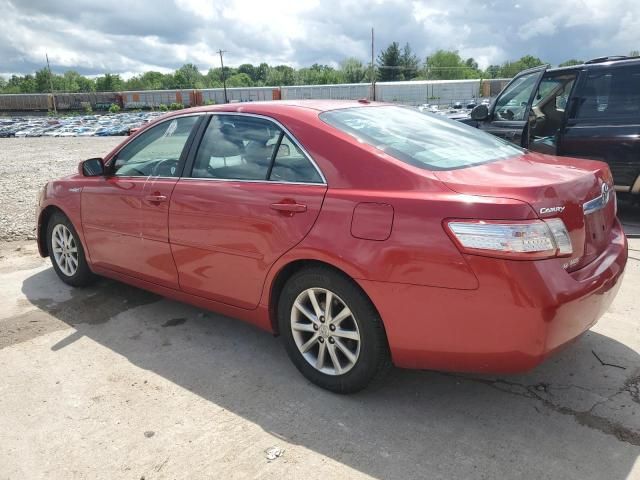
(364, 234)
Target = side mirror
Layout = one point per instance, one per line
(480, 112)
(93, 167)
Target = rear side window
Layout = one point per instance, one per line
(420, 139)
(612, 94)
(291, 164)
(242, 147)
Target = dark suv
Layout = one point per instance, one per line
(588, 111)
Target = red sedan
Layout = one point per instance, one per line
(364, 234)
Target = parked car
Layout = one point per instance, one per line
(588, 111)
(364, 234)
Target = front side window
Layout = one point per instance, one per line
(157, 151)
(423, 140)
(242, 147)
(514, 100)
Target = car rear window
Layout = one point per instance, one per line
(421, 139)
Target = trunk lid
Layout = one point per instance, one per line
(554, 187)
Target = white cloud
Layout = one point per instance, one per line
(133, 36)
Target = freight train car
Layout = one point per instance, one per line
(237, 94)
(347, 91)
(79, 101)
(25, 102)
(155, 98)
(438, 92)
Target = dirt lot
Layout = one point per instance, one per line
(25, 166)
(114, 382)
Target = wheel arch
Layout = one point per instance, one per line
(43, 222)
(293, 267)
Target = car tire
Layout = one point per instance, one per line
(349, 334)
(66, 252)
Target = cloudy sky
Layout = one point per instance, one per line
(129, 36)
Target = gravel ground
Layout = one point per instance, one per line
(26, 164)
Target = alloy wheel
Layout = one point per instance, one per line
(325, 331)
(65, 250)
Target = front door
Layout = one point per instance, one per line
(125, 213)
(510, 113)
(251, 196)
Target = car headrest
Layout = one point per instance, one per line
(253, 131)
(221, 146)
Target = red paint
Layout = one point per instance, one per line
(221, 244)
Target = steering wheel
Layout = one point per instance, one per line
(165, 168)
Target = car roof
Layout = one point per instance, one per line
(601, 62)
(284, 105)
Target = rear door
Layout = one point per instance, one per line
(250, 195)
(510, 114)
(604, 122)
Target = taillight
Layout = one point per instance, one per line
(519, 240)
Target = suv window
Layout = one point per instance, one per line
(613, 92)
(240, 147)
(157, 151)
(512, 103)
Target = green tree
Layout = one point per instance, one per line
(510, 69)
(188, 76)
(42, 80)
(239, 80)
(249, 70)
(568, 63)
(109, 83)
(390, 63)
(492, 71)
(280, 75)
(152, 80)
(445, 65)
(409, 63)
(353, 71)
(261, 72)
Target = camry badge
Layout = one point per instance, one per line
(551, 210)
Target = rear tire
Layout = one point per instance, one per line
(342, 347)
(66, 252)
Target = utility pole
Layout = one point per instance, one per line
(55, 110)
(224, 80)
(373, 71)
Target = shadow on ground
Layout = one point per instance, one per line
(567, 419)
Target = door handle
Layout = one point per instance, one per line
(289, 207)
(156, 198)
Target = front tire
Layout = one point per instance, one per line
(66, 252)
(331, 330)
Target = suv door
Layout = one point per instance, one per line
(125, 213)
(252, 193)
(604, 121)
(509, 115)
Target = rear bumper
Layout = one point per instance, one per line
(521, 313)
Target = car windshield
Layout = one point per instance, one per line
(423, 140)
